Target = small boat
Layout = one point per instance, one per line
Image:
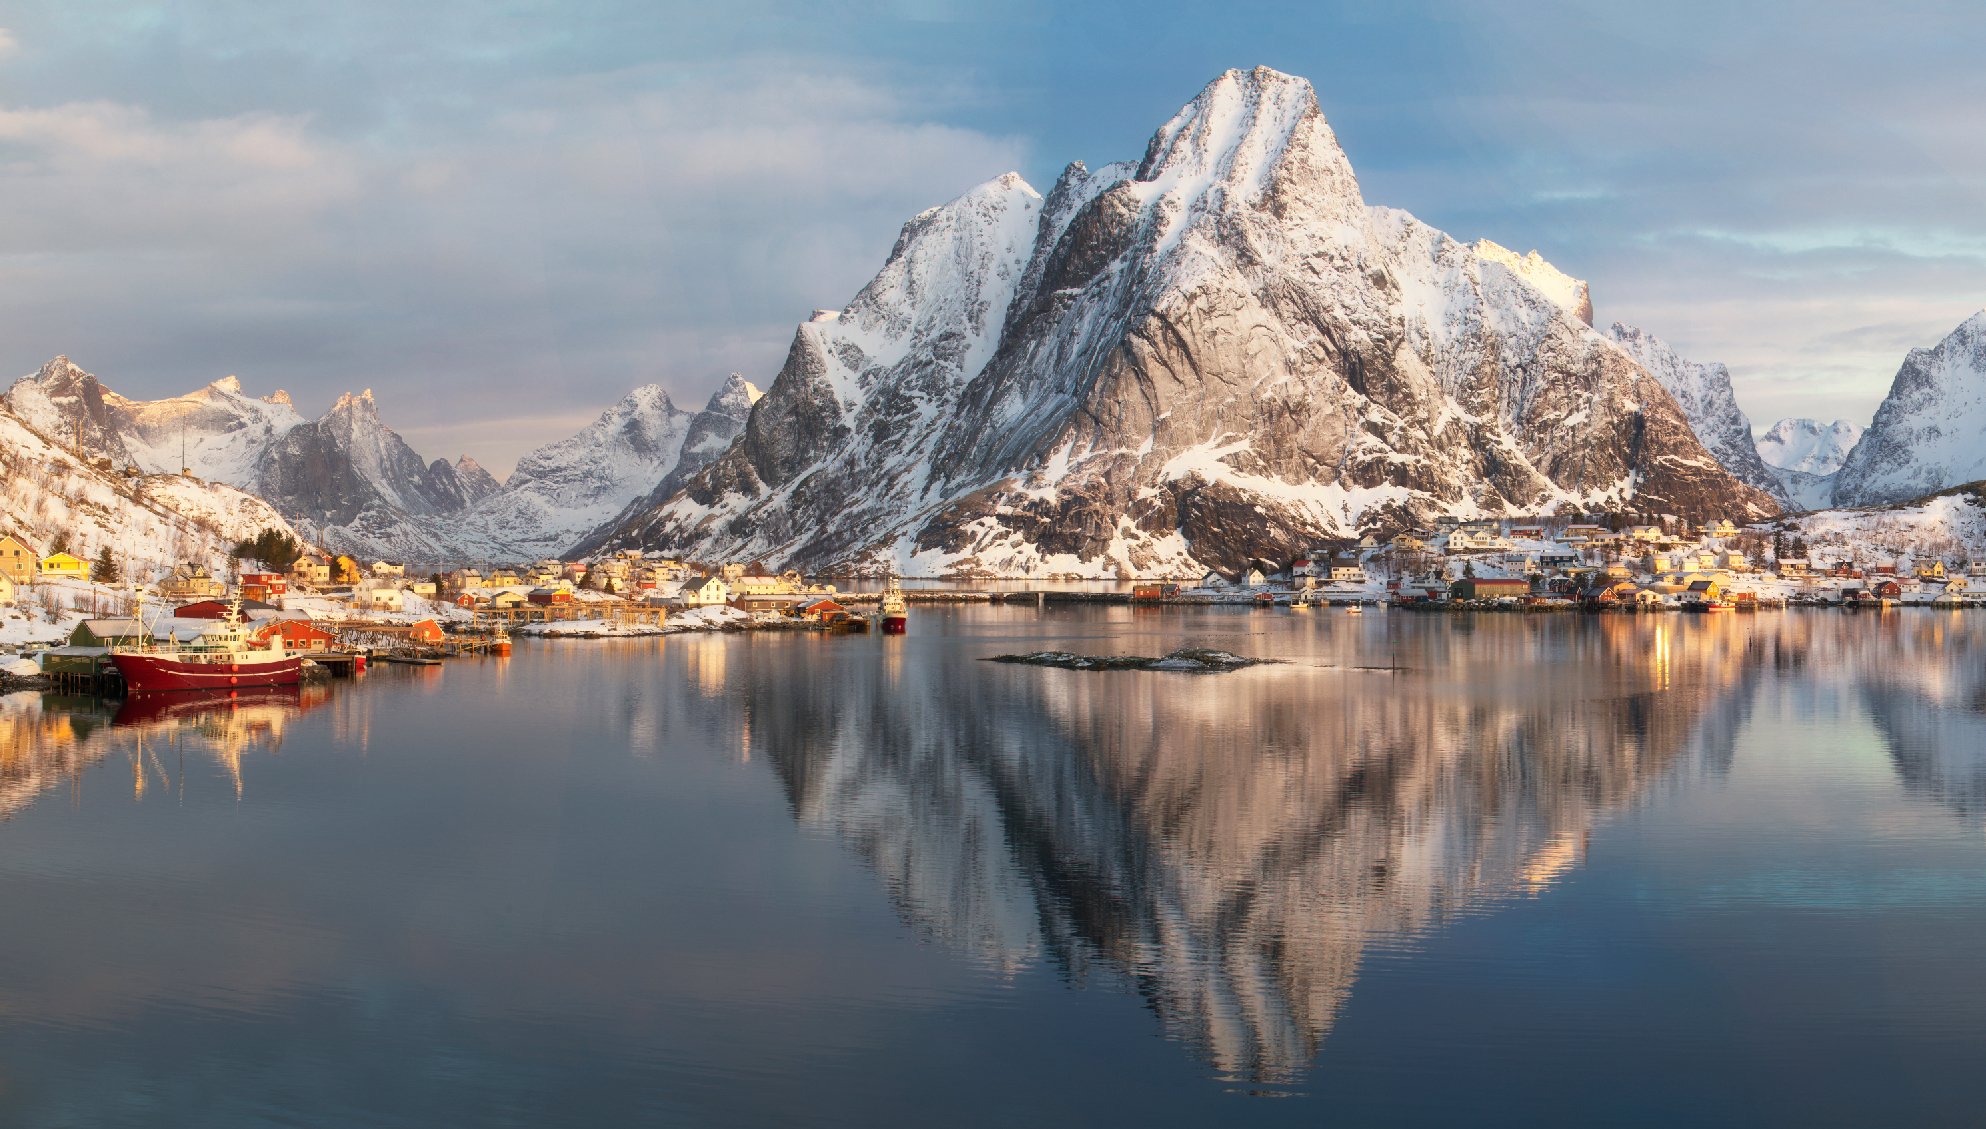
(226, 656)
(895, 612)
(1303, 602)
(500, 644)
(1354, 609)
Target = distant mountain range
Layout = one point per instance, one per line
(1214, 352)
(349, 481)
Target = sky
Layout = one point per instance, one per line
(503, 216)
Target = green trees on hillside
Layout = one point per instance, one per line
(273, 547)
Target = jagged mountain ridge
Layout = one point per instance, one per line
(1930, 432)
(1704, 393)
(354, 484)
(1216, 352)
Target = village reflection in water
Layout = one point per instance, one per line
(1232, 847)
(48, 743)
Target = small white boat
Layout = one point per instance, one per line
(1354, 609)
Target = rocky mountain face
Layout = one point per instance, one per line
(1930, 432)
(709, 434)
(1805, 453)
(1703, 392)
(355, 485)
(477, 483)
(1215, 352)
(351, 477)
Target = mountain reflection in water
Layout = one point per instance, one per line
(1233, 844)
(48, 741)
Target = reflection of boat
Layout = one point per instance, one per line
(224, 656)
(895, 612)
(147, 709)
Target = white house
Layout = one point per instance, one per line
(1474, 539)
(6, 589)
(380, 599)
(388, 568)
(708, 592)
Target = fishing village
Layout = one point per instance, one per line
(63, 622)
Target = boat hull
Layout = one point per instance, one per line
(144, 674)
(895, 624)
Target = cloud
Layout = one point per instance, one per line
(580, 235)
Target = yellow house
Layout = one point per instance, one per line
(62, 564)
(1930, 570)
(17, 560)
(310, 569)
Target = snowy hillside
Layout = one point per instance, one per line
(1949, 526)
(1930, 432)
(1214, 352)
(149, 523)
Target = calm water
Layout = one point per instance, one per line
(1435, 870)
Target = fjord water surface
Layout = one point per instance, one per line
(1432, 869)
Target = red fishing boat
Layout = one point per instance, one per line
(225, 656)
(895, 611)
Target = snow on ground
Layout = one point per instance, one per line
(709, 619)
(1950, 527)
(589, 629)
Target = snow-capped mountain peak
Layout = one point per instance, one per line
(1234, 141)
(1216, 353)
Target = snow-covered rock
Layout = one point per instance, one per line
(1217, 352)
(1930, 432)
(1704, 393)
(1569, 293)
